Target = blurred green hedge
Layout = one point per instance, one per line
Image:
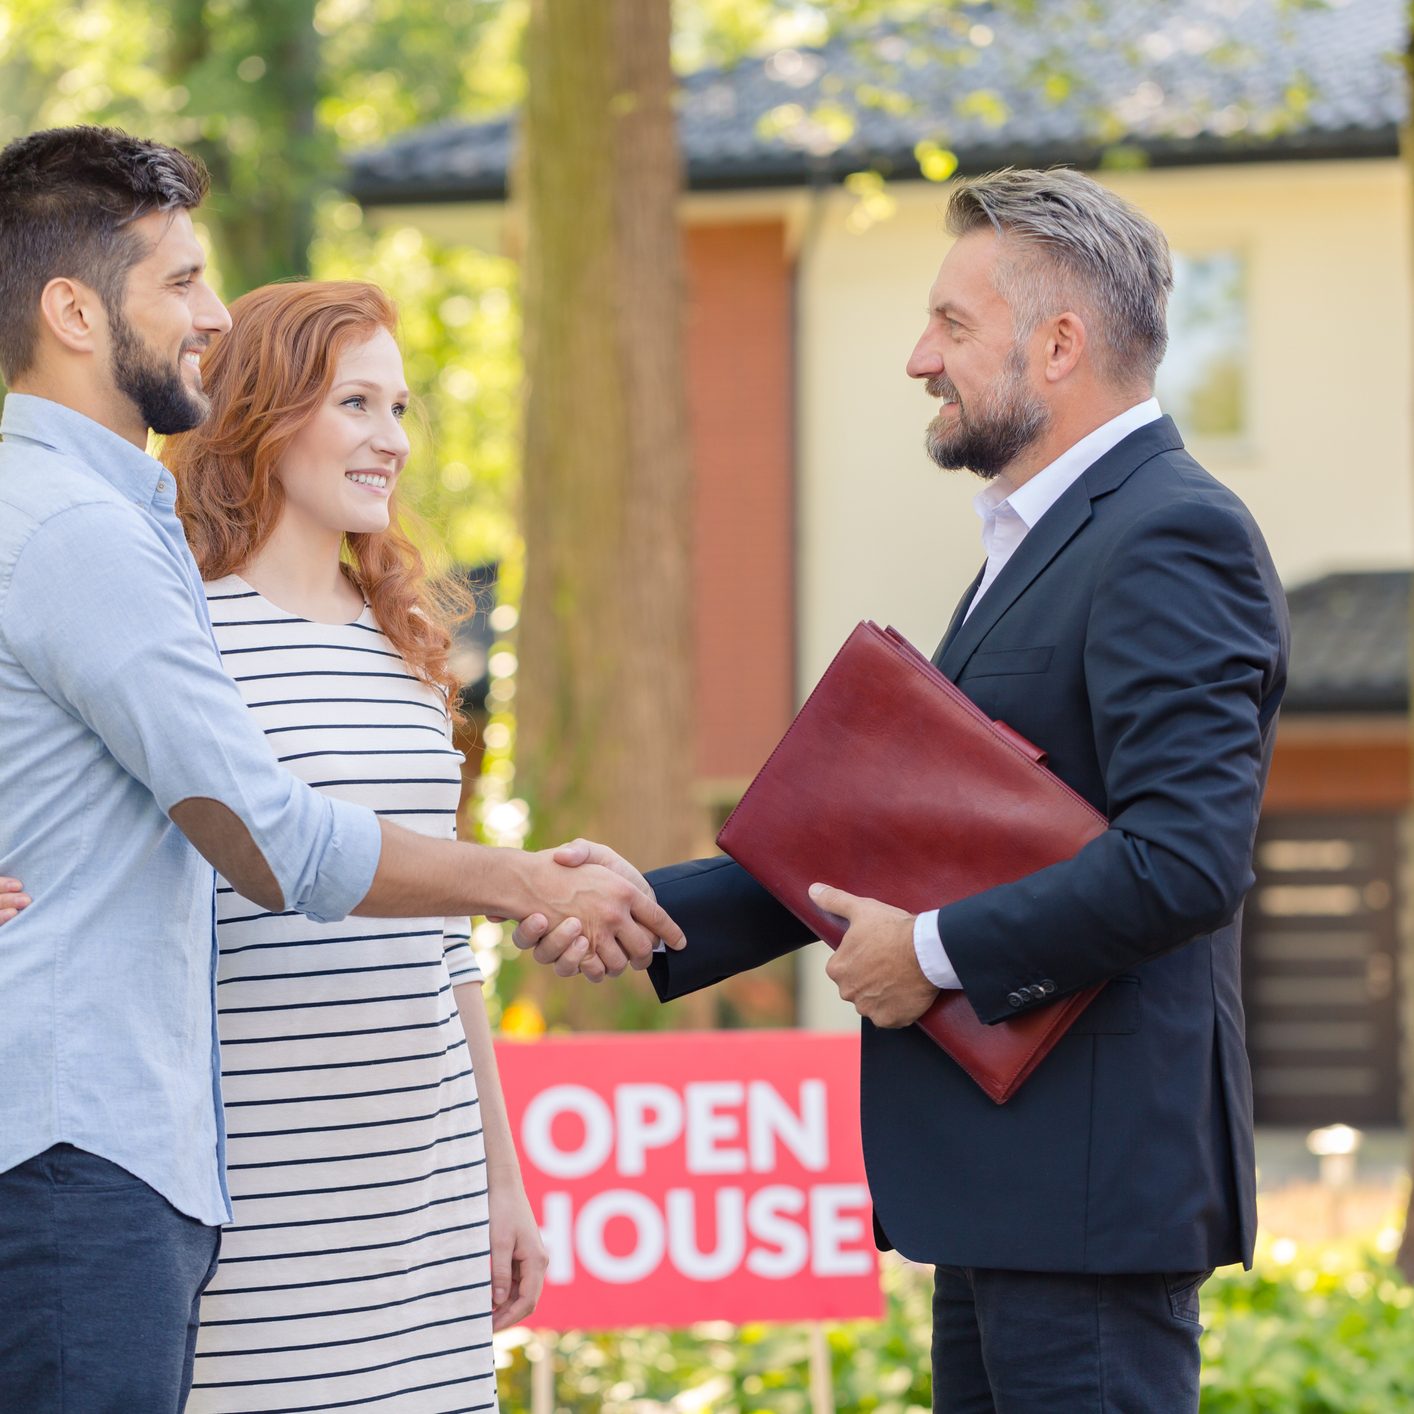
(1332, 1333)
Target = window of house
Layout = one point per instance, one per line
(1203, 381)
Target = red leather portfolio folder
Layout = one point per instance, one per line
(892, 784)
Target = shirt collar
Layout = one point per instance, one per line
(137, 476)
(1033, 498)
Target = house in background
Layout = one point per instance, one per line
(1289, 373)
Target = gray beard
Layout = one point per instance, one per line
(1007, 420)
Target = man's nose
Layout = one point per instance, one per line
(212, 317)
(925, 361)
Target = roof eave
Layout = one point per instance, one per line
(795, 169)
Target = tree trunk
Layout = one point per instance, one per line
(604, 694)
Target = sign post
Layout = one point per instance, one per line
(822, 1384)
(541, 1356)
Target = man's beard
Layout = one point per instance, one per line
(1004, 422)
(157, 390)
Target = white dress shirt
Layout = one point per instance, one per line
(1007, 517)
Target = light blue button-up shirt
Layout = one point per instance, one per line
(114, 708)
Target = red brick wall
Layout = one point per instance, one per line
(740, 380)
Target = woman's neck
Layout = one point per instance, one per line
(298, 569)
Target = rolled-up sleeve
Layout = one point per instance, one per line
(101, 615)
(462, 965)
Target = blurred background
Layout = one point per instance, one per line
(659, 268)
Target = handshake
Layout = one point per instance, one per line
(597, 921)
(595, 915)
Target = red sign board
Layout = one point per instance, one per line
(693, 1177)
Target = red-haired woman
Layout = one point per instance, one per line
(381, 1226)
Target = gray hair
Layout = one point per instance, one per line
(1075, 245)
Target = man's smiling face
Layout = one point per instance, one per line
(169, 314)
(968, 358)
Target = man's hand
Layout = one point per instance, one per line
(582, 851)
(875, 967)
(561, 947)
(13, 898)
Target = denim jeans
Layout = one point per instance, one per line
(1060, 1343)
(100, 1280)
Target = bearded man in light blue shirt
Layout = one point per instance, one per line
(129, 768)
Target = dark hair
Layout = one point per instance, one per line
(68, 197)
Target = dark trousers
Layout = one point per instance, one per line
(1057, 1343)
(100, 1278)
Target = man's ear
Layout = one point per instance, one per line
(1065, 342)
(73, 314)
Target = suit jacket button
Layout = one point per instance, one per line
(1015, 999)
(1047, 987)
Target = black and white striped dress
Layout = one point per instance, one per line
(356, 1272)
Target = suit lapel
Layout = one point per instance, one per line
(1042, 544)
(957, 614)
(1051, 534)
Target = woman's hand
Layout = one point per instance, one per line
(13, 899)
(518, 1257)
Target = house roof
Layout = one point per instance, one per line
(1180, 81)
(1350, 643)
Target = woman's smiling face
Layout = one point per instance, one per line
(340, 468)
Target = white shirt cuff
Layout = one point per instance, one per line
(932, 956)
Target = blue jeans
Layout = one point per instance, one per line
(1060, 1343)
(100, 1279)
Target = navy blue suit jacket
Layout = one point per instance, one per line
(1139, 635)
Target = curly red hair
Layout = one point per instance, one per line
(266, 379)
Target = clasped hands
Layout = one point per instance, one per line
(875, 967)
(608, 919)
